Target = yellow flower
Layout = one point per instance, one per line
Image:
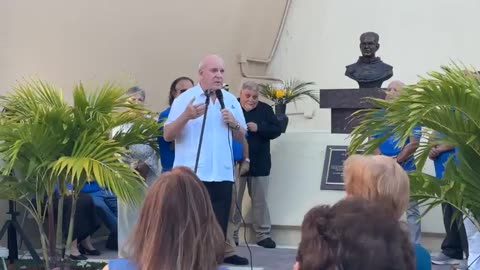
(279, 93)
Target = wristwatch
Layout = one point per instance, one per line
(237, 127)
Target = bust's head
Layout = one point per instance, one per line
(369, 44)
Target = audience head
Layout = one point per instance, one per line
(353, 234)
(177, 228)
(249, 95)
(210, 71)
(377, 178)
(178, 86)
(136, 95)
(393, 89)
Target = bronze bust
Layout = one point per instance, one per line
(369, 71)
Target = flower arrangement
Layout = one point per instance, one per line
(289, 91)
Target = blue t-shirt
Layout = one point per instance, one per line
(440, 161)
(442, 158)
(237, 150)
(90, 187)
(389, 147)
(167, 152)
(125, 264)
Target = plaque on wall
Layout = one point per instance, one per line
(332, 177)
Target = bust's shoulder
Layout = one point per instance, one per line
(387, 66)
(350, 69)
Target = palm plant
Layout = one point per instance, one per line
(446, 102)
(49, 145)
(289, 91)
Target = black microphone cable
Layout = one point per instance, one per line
(219, 95)
(207, 101)
(237, 206)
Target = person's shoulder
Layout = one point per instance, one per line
(422, 257)
(231, 99)
(228, 95)
(121, 264)
(165, 112)
(264, 105)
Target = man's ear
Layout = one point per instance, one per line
(296, 266)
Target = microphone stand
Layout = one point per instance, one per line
(207, 102)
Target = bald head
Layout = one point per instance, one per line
(208, 59)
(210, 72)
(394, 89)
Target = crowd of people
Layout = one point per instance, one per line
(190, 218)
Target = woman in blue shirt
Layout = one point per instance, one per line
(167, 151)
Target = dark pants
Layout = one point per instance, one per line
(221, 198)
(455, 242)
(107, 209)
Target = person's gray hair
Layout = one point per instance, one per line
(250, 85)
(136, 90)
(396, 83)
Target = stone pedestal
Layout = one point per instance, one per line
(344, 102)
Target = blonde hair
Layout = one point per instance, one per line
(378, 178)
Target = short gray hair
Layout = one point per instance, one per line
(250, 85)
(136, 90)
(396, 83)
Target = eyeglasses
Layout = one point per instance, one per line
(183, 90)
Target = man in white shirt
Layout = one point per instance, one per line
(184, 123)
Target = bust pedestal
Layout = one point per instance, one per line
(344, 102)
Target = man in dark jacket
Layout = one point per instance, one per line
(262, 126)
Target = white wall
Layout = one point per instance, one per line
(321, 37)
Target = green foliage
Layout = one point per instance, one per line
(446, 102)
(289, 91)
(45, 142)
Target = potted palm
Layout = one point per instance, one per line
(286, 92)
(445, 102)
(48, 145)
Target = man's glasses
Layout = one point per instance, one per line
(183, 90)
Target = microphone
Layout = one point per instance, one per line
(219, 95)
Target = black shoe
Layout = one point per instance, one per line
(83, 251)
(267, 243)
(78, 258)
(236, 260)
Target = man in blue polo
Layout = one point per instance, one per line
(404, 156)
(455, 244)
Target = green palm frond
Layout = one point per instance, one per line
(31, 97)
(446, 102)
(47, 143)
(289, 91)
